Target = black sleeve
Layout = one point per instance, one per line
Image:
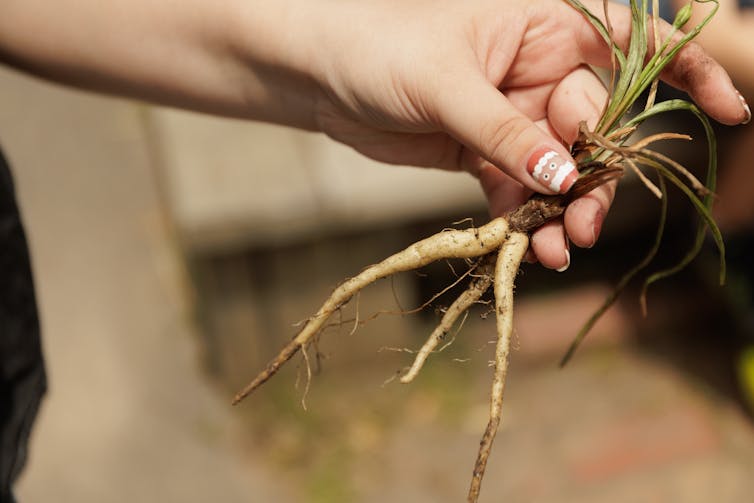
(22, 373)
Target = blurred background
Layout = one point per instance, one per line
(174, 253)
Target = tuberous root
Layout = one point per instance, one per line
(506, 268)
(448, 244)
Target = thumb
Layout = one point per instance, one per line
(482, 118)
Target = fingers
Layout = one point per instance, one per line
(481, 117)
(580, 96)
(582, 221)
(584, 217)
(503, 194)
(692, 70)
(581, 225)
(708, 84)
(550, 245)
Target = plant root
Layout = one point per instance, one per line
(466, 243)
(447, 244)
(506, 268)
(601, 156)
(478, 286)
(498, 247)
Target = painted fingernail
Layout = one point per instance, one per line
(747, 110)
(596, 227)
(552, 171)
(568, 261)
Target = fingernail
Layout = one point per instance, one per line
(747, 110)
(552, 171)
(529, 257)
(596, 228)
(568, 261)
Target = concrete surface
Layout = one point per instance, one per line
(231, 184)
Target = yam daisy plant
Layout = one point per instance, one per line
(494, 251)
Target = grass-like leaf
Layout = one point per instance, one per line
(607, 143)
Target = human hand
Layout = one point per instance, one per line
(484, 86)
(487, 86)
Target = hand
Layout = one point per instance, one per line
(486, 87)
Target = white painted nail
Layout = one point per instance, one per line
(746, 108)
(568, 261)
(552, 171)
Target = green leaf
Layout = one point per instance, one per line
(682, 17)
(745, 371)
(636, 75)
(706, 204)
(601, 29)
(625, 280)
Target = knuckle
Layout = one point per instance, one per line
(693, 66)
(500, 139)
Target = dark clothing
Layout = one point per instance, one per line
(22, 374)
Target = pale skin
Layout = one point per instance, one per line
(727, 38)
(474, 85)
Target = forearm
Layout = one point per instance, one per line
(229, 57)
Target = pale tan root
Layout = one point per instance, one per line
(308, 377)
(358, 321)
(639, 151)
(645, 142)
(466, 243)
(480, 284)
(643, 178)
(508, 262)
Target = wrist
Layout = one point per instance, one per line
(278, 47)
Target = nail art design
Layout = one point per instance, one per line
(552, 171)
(746, 108)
